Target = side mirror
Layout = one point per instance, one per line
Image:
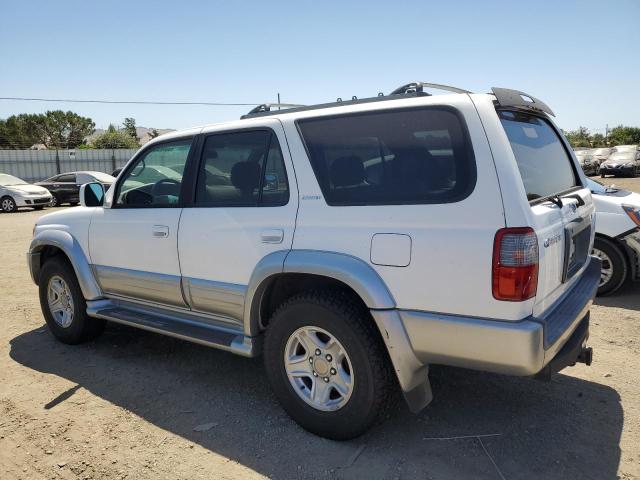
(92, 195)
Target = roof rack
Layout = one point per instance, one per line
(266, 107)
(418, 88)
(515, 98)
(414, 89)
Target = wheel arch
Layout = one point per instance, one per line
(51, 242)
(282, 274)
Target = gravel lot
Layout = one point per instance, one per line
(142, 406)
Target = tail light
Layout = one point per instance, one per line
(515, 264)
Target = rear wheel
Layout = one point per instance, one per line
(614, 265)
(327, 364)
(8, 204)
(63, 305)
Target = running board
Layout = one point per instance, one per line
(176, 325)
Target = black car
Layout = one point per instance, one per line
(65, 188)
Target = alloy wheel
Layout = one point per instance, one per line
(607, 267)
(318, 368)
(60, 301)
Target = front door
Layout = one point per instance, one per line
(244, 208)
(134, 243)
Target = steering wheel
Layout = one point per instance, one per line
(156, 186)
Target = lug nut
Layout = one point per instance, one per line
(310, 359)
(315, 374)
(326, 379)
(329, 358)
(333, 371)
(318, 352)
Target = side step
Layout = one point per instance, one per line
(176, 325)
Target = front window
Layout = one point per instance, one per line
(544, 164)
(395, 157)
(9, 180)
(150, 182)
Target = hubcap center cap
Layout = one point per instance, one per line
(321, 366)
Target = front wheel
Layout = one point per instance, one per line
(614, 265)
(8, 205)
(55, 201)
(63, 305)
(328, 365)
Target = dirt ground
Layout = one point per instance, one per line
(137, 405)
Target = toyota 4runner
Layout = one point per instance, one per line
(352, 244)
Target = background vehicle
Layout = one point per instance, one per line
(624, 160)
(587, 162)
(65, 188)
(448, 229)
(116, 172)
(16, 193)
(601, 154)
(617, 241)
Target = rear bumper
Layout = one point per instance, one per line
(520, 348)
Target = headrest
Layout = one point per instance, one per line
(245, 176)
(347, 171)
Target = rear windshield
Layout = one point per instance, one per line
(391, 157)
(545, 167)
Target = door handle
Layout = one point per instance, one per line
(272, 235)
(160, 231)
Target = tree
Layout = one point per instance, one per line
(114, 138)
(21, 131)
(579, 138)
(130, 127)
(622, 135)
(65, 129)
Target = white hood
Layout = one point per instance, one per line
(28, 189)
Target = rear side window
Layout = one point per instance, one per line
(545, 166)
(391, 157)
(242, 169)
(67, 178)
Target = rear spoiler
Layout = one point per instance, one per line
(515, 98)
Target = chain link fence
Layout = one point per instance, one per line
(35, 165)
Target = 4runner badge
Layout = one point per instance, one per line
(552, 240)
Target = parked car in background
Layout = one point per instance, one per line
(617, 241)
(623, 161)
(601, 155)
(116, 172)
(65, 188)
(587, 162)
(16, 193)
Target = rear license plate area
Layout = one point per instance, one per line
(577, 239)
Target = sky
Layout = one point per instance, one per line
(580, 57)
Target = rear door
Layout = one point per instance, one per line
(560, 206)
(243, 208)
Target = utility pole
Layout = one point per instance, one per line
(606, 134)
(278, 100)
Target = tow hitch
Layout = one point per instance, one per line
(585, 356)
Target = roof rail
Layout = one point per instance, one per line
(515, 98)
(418, 88)
(266, 107)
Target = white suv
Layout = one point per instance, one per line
(352, 244)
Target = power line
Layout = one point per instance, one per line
(131, 102)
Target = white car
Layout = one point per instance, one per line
(617, 241)
(16, 193)
(352, 244)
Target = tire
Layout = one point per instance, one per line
(602, 175)
(55, 201)
(77, 327)
(332, 314)
(8, 204)
(614, 265)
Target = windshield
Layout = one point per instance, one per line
(621, 156)
(7, 180)
(545, 167)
